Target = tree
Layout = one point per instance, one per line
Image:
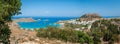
(96, 40)
(4, 34)
(107, 36)
(96, 36)
(8, 8)
(87, 39)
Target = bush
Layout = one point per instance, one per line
(107, 29)
(64, 34)
(4, 34)
(8, 8)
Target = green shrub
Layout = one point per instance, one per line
(4, 34)
(107, 29)
(8, 8)
(64, 34)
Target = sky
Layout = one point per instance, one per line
(69, 8)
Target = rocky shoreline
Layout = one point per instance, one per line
(24, 20)
(15, 22)
(18, 34)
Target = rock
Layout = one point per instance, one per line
(24, 20)
(93, 15)
(31, 38)
(37, 39)
(90, 17)
(30, 42)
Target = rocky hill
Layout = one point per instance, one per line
(89, 17)
(93, 15)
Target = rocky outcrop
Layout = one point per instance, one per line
(93, 15)
(89, 17)
(24, 20)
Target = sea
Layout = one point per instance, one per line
(43, 22)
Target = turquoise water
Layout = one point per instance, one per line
(42, 22)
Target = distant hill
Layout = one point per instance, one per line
(93, 15)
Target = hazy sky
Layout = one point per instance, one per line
(69, 8)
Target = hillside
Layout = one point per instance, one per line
(90, 17)
(93, 15)
(107, 29)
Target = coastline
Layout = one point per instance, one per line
(83, 21)
(22, 36)
(22, 21)
(15, 22)
(18, 34)
(60, 22)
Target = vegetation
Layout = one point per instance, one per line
(4, 33)
(64, 34)
(73, 26)
(8, 8)
(107, 30)
(102, 30)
